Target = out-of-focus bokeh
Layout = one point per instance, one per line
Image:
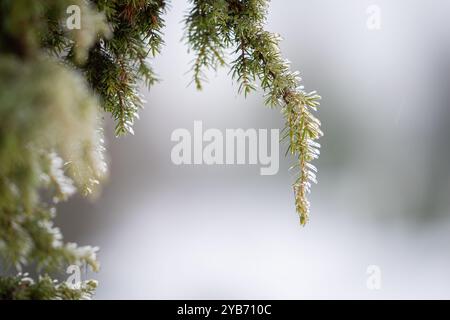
(208, 232)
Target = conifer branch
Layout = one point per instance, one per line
(22, 287)
(54, 83)
(240, 24)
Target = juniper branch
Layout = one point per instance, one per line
(54, 81)
(240, 25)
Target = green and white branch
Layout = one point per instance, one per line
(212, 27)
(56, 83)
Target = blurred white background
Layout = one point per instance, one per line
(213, 232)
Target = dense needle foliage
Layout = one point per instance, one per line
(55, 82)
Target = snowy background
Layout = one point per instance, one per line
(225, 232)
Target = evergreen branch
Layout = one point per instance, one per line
(61, 78)
(205, 34)
(22, 287)
(240, 24)
(136, 34)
